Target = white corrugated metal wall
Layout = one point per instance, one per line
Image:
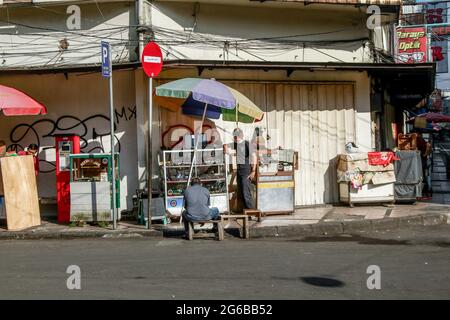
(315, 119)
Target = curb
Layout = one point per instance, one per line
(348, 227)
(27, 235)
(319, 229)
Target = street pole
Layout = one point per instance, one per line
(151, 59)
(113, 162)
(149, 153)
(197, 137)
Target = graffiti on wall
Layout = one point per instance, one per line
(92, 131)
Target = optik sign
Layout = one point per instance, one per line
(412, 45)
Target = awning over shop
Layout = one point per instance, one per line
(407, 83)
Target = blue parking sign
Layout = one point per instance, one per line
(106, 60)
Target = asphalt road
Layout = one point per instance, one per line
(414, 263)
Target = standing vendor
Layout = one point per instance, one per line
(246, 167)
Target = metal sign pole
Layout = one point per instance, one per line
(151, 59)
(150, 156)
(196, 139)
(113, 162)
(107, 73)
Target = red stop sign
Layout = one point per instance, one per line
(152, 60)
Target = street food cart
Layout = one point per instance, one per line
(275, 181)
(210, 166)
(90, 186)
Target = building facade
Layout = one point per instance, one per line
(322, 77)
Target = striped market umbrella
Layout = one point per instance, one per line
(207, 98)
(196, 96)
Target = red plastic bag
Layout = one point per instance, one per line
(381, 158)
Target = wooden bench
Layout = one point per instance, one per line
(243, 217)
(219, 232)
(253, 212)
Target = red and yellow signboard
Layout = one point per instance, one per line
(412, 45)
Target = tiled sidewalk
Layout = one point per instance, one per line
(314, 217)
(346, 214)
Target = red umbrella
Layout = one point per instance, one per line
(17, 103)
(435, 117)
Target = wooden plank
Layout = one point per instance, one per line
(20, 191)
(190, 231)
(220, 232)
(244, 218)
(234, 216)
(246, 231)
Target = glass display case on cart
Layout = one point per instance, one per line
(210, 166)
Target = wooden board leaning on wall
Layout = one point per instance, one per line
(18, 186)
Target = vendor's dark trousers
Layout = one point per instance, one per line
(244, 185)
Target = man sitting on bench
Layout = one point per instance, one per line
(196, 203)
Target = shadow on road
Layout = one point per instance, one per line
(323, 282)
(353, 238)
(315, 281)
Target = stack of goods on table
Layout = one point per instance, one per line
(366, 177)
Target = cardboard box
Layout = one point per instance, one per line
(383, 177)
(407, 141)
(362, 165)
